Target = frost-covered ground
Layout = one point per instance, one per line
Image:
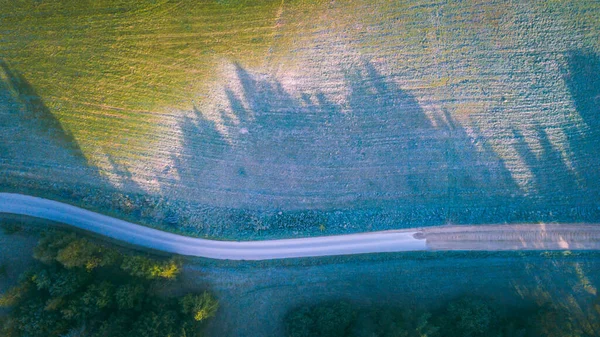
(350, 117)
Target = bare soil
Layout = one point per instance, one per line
(514, 237)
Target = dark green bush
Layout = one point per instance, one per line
(82, 288)
(464, 317)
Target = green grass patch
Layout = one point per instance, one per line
(104, 68)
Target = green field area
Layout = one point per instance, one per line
(245, 119)
(103, 67)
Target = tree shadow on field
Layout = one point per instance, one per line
(24, 105)
(40, 157)
(376, 149)
(35, 150)
(583, 80)
(567, 184)
(557, 164)
(551, 177)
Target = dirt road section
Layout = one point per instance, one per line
(514, 237)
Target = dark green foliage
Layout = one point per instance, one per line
(82, 253)
(334, 320)
(72, 251)
(300, 323)
(130, 296)
(341, 319)
(10, 228)
(59, 282)
(155, 323)
(49, 246)
(17, 294)
(468, 317)
(115, 326)
(199, 307)
(3, 270)
(31, 319)
(551, 322)
(144, 267)
(465, 317)
(328, 320)
(85, 289)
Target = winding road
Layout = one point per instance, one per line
(482, 237)
(376, 242)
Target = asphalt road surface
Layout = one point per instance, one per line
(375, 242)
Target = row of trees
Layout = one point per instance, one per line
(81, 288)
(464, 317)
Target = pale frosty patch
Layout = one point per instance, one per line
(146, 171)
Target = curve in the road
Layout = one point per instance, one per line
(374, 242)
